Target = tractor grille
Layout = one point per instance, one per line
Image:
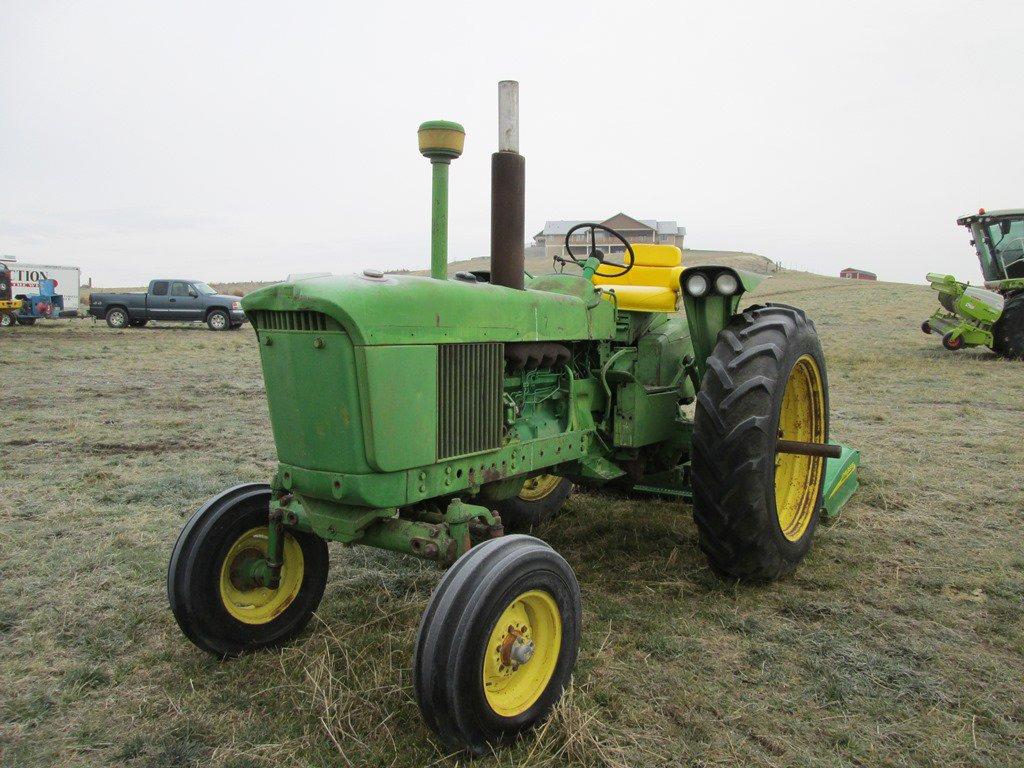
(273, 320)
(469, 388)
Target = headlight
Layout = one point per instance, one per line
(697, 285)
(726, 284)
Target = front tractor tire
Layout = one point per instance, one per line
(1008, 332)
(498, 642)
(541, 498)
(214, 607)
(755, 510)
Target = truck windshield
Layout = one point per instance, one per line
(204, 289)
(1006, 239)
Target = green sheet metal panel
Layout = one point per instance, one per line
(313, 398)
(399, 395)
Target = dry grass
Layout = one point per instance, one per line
(899, 642)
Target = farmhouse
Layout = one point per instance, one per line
(858, 274)
(552, 237)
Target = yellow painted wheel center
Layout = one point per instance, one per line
(260, 605)
(539, 487)
(798, 478)
(522, 653)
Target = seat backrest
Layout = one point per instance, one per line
(656, 265)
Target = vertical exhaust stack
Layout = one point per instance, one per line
(508, 193)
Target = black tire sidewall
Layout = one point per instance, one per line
(455, 629)
(735, 432)
(218, 313)
(804, 344)
(198, 581)
(114, 312)
(518, 514)
(1008, 330)
(472, 637)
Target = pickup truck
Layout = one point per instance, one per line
(169, 300)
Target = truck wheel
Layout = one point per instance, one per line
(541, 498)
(218, 320)
(498, 642)
(1008, 332)
(6, 319)
(215, 611)
(756, 511)
(117, 317)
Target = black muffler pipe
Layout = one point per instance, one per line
(508, 194)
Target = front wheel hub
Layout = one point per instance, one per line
(521, 652)
(243, 594)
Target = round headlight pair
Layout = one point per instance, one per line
(697, 284)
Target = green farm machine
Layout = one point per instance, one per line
(429, 416)
(992, 316)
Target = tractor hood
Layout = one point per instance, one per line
(409, 309)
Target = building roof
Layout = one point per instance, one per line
(561, 226)
(858, 269)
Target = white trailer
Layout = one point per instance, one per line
(25, 281)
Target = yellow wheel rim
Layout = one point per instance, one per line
(522, 652)
(798, 478)
(260, 605)
(539, 487)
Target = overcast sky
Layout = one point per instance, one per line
(246, 140)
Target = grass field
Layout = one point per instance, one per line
(899, 642)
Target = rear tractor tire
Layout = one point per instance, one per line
(1008, 333)
(755, 510)
(498, 642)
(216, 611)
(541, 498)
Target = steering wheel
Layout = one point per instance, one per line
(594, 250)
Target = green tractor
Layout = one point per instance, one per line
(428, 416)
(992, 316)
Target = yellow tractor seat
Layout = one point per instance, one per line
(652, 285)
